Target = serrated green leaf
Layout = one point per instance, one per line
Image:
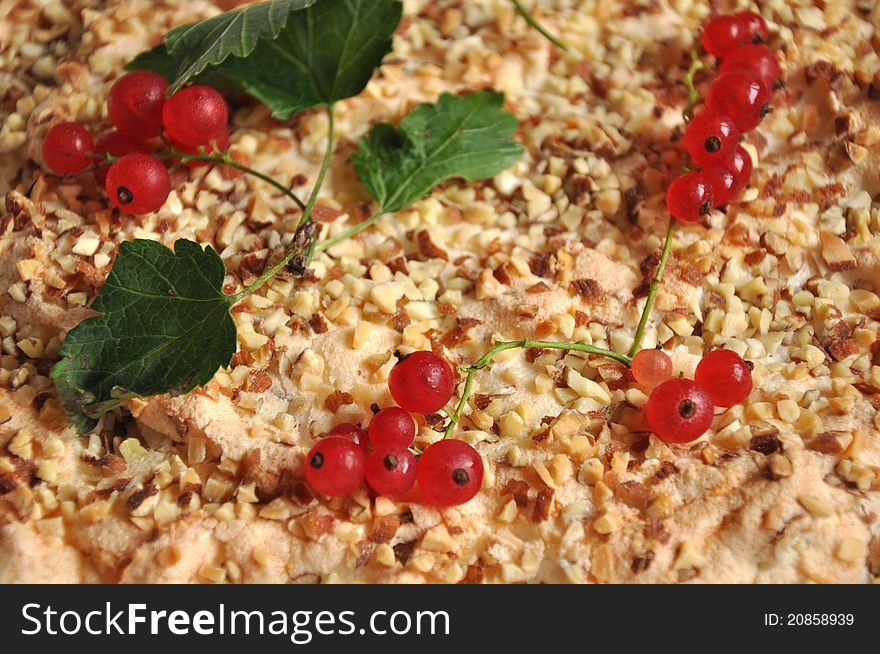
(325, 53)
(461, 136)
(157, 60)
(164, 328)
(234, 33)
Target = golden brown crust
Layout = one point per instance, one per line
(208, 487)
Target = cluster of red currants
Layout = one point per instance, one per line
(736, 102)
(449, 472)
(193, 120)
(681, 410)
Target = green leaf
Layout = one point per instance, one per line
(164, 328)
(325, 53)
(157, 60)
(461, 136)
(210, 42)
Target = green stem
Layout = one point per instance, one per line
(524, 343)
(226, 159)
(348, 233)
(325, 166)
(306, 218)
(531, 20)
(687, 114)
(693, 95)
(653, 288)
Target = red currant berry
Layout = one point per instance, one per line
(740, 164)
(392, 426)
(353, 432)
(422, 383)
(391, 470)
(450, 472)
(335, 466)
(723, 183)
(211, 148)
(679, 411)
(755, 28)
(117, 145)
(724, 34)
(710, 138)
(651, 367)
(755, 59)
(138, 183)
(689, 197)
(135, 103)
(195, 115)
(725, 376)
(66, 148)
(740, 95)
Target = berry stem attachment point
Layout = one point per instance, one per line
(653, 288)
(531, 20)
(486, 359)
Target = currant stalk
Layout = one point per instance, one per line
(216, 157)
(486, 359)
(348, 233)
(304, 249)
(226, 159)
(531, 20)
(688, 113)
(626, 359)
(653, 288)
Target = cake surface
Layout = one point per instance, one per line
(208, 487)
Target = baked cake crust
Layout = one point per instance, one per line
(207, 487)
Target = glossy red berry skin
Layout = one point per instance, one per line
(723, 183)
(725, 376)
(754, 25)
(651, 367)
(138, 183)
(724, 34)
(710, 138)
(335, 466)
(135, 104)
(66, 148)
(195, 115)
(392, 425)
(740, 95)
(118, 145)
(740, 163)
(422, 383)
(353, 432)
(391, 470)
(679, 411)
(449, 472)
(756, 59)
(689, 197)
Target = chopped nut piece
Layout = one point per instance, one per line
(836, 252)
(818, 508)
(688, 556)
(543, 505)
(212, 573)
(851, 550)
